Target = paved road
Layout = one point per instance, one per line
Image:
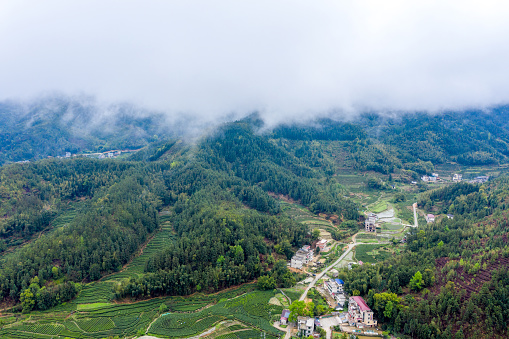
(415, 215)
(318, 277)
(321, 274)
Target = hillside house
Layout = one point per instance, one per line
(284, 317)
(302, 257)
(457, 177)
(334, 287)
(322, 245)
(359, 314)
(430, 218)
(306, 325)
(450, 216)
(370, 223)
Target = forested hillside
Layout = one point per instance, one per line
(67, 222)
(54, 125)
(228, 228)
(452, 282)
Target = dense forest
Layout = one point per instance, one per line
(228, 229)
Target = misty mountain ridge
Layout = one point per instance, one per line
(53, 125)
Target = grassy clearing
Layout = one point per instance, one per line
(371, 253)
(293, 293)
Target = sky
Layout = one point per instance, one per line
(287, 60)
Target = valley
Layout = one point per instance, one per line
(196, 240)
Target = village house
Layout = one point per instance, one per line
(284, 317)
(334, 286)
(322, 245)
(430, 218)
(427, 178)
(370, 223)
(302, 257)
(306, 325)
(359, 314)
(334, 272)
(457, 177)
(450, 216)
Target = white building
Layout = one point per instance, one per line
(334, 287)
(370, 223)
(359, 313)
(302, 257)
(457, 177)
(306, 325)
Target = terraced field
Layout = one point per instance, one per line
(162, 238)
(248, 308)
(252, 308)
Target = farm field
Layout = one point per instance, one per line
(379, 207)
(371, 253)
(251, 308)
(185, 316)
(163, 237)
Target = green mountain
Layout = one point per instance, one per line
(178, 218)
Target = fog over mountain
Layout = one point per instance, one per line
(289, 60)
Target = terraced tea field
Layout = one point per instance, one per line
(161, 239)
(248, 308)
(252, 308)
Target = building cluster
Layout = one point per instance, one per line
(104, 155)
(370, 223)
(457, 177)
(302, 257)
(479, 180)
(359, 313)
(335, 287)
(430, 178)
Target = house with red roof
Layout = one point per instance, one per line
(284, 317)
(359, 313)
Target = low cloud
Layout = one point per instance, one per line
(287, 60)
